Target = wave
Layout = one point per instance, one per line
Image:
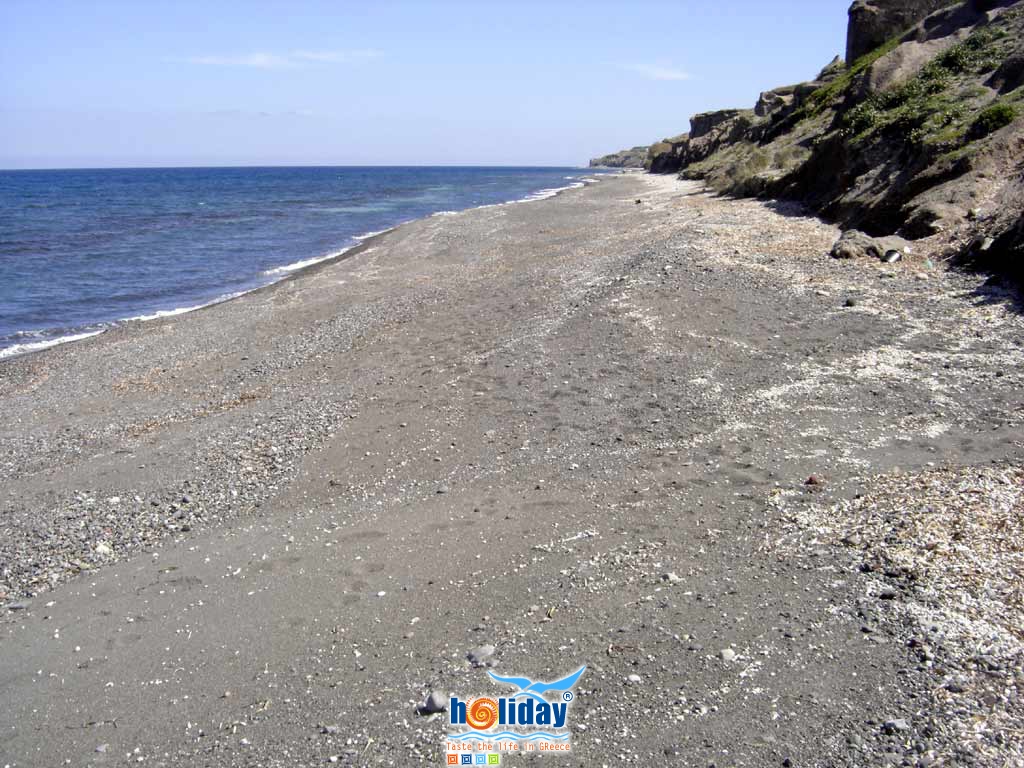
(20, 349)
(182, 310)
(275, 273)
(296, 265)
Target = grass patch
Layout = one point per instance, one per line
(934, 106)
(992, 119)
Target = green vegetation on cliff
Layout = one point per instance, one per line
(920, 136)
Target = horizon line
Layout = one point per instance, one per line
(6, 169)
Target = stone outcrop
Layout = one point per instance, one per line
(873, 22)
(919, 137)
(666, 156)
(627, 158)
(708, 132)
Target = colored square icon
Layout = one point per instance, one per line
(493, 759)
(467, 759)
(453, 759)
(481, 758)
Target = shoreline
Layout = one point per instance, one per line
(284, 271)
(642, 438)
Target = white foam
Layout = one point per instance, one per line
(368, 235)
(20, 349)
(305, 263)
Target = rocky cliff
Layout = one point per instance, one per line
(627, 158)
(920, 135)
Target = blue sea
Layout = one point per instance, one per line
(81, 250)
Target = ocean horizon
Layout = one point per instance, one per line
(83, 249)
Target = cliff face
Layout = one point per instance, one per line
(922, 136)
(873, 22)
(627, 158)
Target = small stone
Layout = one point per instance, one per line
(330, 729)
(671, 578)
(102, 748)
(23, 606)
(896, 725)
(887, 594)
(104, 549)
(634, 679)
(727, 654)
(382, 593)
(443, 489)
(434, 703)
(813, 480)
(478, 657)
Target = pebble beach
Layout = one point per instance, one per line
(771, 499)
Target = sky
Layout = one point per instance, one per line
(310, 82)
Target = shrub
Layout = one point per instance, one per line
(992, 119)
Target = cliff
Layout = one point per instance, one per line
(921, 136)
(627, 158)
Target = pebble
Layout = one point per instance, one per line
(671, 578)
(895, 726)
(480, 656)
(727, 654)
(434, 703)
(634, 679)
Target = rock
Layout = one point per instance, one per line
(703, 123)
(634, 679)
(103, 549)
(897, 725)
(480, 656)
(892, 256)
(671, 578)
(434, 703)
(626, 158)
(330, 730)
(727, 655)
(443, 489)
(854, 244)
(814, 479)
(102, 748)
(1009, 75)
(874, 22)
(774, 101)
(22, 606)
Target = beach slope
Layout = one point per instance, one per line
(607, 428)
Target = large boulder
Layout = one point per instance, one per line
(854, 244)
(873, 22)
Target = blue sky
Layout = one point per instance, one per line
(155, 82)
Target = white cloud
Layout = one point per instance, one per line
(292, 60)
(658, 72)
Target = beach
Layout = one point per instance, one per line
(632, 426)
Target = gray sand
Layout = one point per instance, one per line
(574, 429)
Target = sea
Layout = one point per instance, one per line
(83, 250)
